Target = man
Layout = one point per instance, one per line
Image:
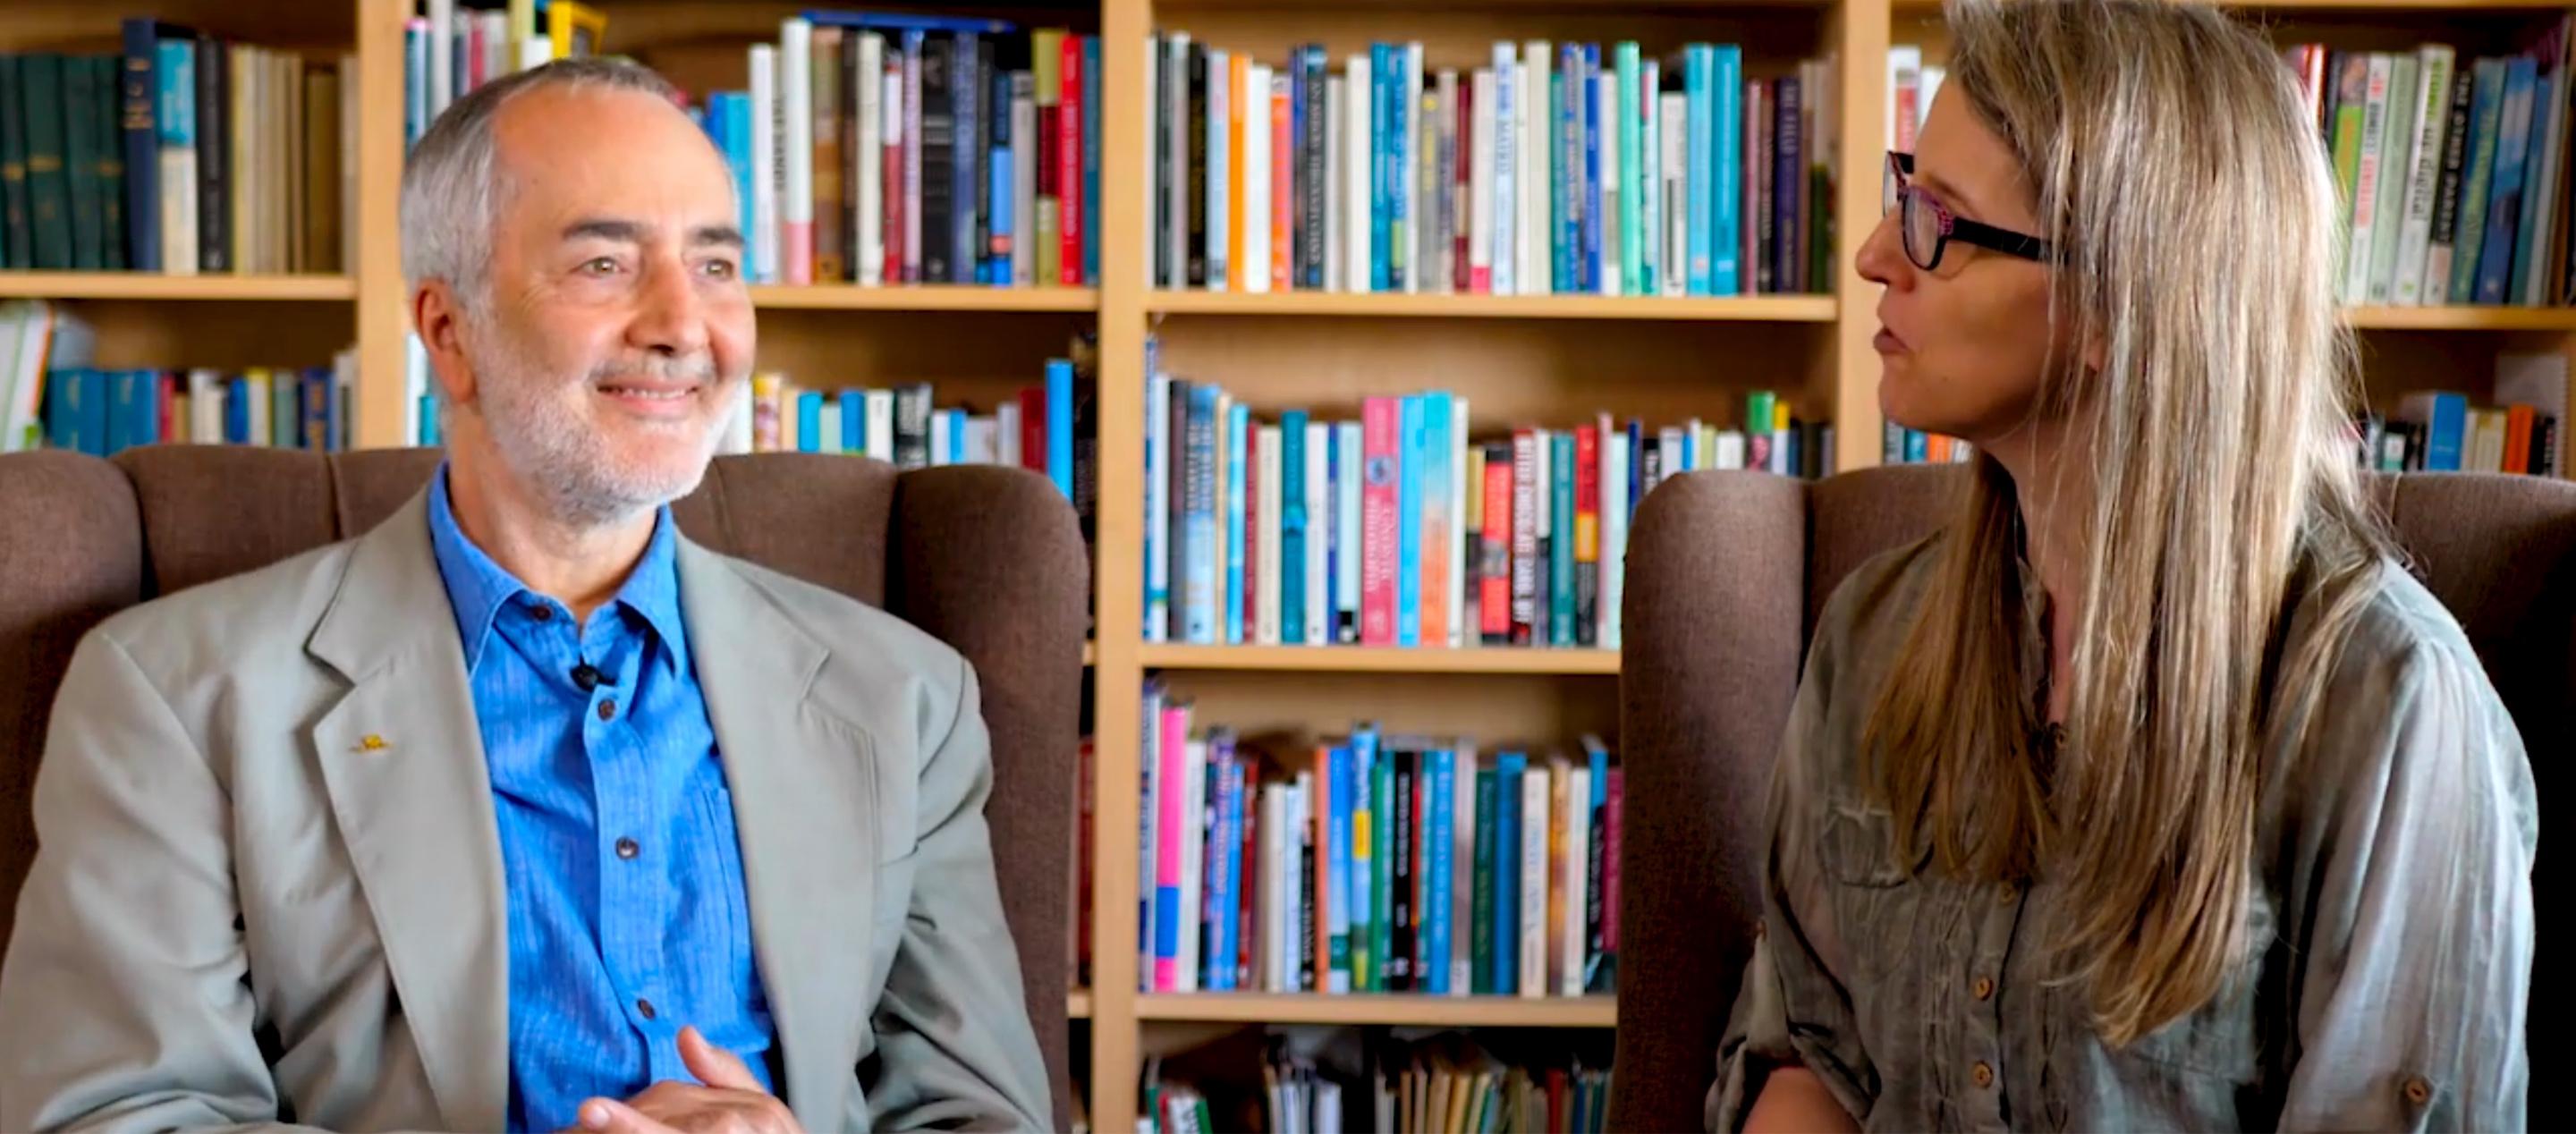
(521, 810)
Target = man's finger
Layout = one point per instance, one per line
(609, 1116)
(714, 1066)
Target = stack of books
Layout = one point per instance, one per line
(185, 153)
(52, 395)
(1442, 1083)
(1046, 429)
(1556, 168)
(1372, 863)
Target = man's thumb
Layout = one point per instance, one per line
(714, 1066)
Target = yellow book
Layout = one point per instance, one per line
(575, 30)
(1046, 64)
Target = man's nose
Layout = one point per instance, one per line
(669, 316)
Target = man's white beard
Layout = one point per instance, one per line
(553, 448)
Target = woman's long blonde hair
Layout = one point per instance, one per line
(2198, 231)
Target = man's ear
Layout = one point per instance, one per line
(438, 317)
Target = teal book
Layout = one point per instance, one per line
(17, 248)
(1363, 856)
(1408, 523)
(80, 126)
(1293, 528)
(1480, 931)
(1560, 519)
(49, 210)
(1382, 888)
(1632, 165)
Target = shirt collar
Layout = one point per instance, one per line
(478, 587)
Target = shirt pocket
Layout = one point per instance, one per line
(1874, 895)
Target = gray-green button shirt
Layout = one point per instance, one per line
(2395, 852)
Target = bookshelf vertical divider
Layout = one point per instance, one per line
(1860, 30)
(375, 247)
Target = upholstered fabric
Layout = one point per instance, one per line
(1710, 662)
(990, 559)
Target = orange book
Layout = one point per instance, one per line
(1238, 80)
(2517, 439)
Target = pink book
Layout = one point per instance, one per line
(1068, 164)
(1283, 194)
(1610, 862)
(1168, 834)
(1378, 427)
(1253, 536)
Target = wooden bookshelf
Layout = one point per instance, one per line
(154, 287)
(1383, 1008)
(1550, 360)
(1380, 659)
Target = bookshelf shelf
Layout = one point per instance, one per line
(155, 287)
(2464, 318)
(1760, 308)
(928, 297)
(1381, 659)
(1382, 1008)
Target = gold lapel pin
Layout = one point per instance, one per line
(371, 743)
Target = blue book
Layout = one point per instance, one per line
(1201, 549)
(966, 125)
(1508, 768)
(78, 410)
(1918, 447)
(1595, 845)
(1223, 881)
(1408, 523)
(1237, 422)
(2505, 196)
(2515, 290)
(1480, 930)
(1590, 260)
(237, 411)
(1439, 419)
(1625, 121)
(1365, 964)
(134, 408)
(1637, 485)
(1059, 425)
(1337, 867)
(429, 420)
(1324, 528)
(1560, 518)
(1565, 184)
(956, 436)
(996, 255)
(1697, 61)
(1725, 124)
(147, 82)
(737, 117)
(809, 421)
(1293, 528)
(1439, 892)
(1091, 160)
(2443, 417)
(1381, 162)
(2478, 174)
(907, 21)
(854, 421)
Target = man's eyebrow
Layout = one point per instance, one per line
(719, 234)
(605, 228)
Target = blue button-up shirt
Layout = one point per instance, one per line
(627, 914)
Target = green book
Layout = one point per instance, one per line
(1632, 163)
(109, 144)
(2487, 118)
(1560, 517)
(1381, 861)
(81, 109)
(16, 250)
(49, 216)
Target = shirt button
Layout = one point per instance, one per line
(1984, 987)
(2417, 1090)
(542, 612)
(2008, 893)
(629, 848)
(608, 708)
(644, 1008)
(1982, 1074)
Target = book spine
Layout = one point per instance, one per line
(1561, 516)
(1315, 166)
(1315, 597)
(1439, 840)
(1382, 835)
(1238, 439)
(1337, 891)
(1408, 519)
(1434, 500)
(1294, 529)
(1281, 170)
(1481, 923)
(1531, 903)
(1524, 535)
(1494, 549)
(1402, 930)
(1383, 426)
(1069, 148)
(1349, 544)
(2432, 107)
(2435, 285)
(1502, 167)
(1587, 534)
(1270, 578)
(2489, 97)
(1612, 804)
(2505, 197)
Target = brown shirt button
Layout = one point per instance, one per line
(2008, 893)
(1983, 987)
(608, 708)
(1982, 1074)
(2417, 1090)
(644, 1008)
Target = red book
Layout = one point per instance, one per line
(1462, 270)
(1033, 428)
(2517, 439)
(1378, 428)
(1283, 192)
(1494, 550)
(1250, 582)
(1068, 164)
(1247, 953)
(1587, 533)
(892, 194)
(170, 384)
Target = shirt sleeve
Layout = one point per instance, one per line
(2415, 959)
(1792, 1008)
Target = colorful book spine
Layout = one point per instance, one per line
(1382, 421)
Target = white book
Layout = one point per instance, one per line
(1331, 186)
(1573, 940)
(1462, 861)
(764, 160)
(1158, 516)
(1448, 214)
(1024, 182)
(1502, 165)
(881, 424)
(1534, 878)
(1478, 155)
(1459, 635)
(907, 105)
(1605, 87)
(442, 72)
(1536, 272)
(1264, 609)
(2433, 62)
(796, 199)
(1176, 179)
(496, 44)
(206, 405)
(1319, 500)
(1275, 973)
(1007, 422)
(1254, 271)
(1359, 212)
(1149, 817)
(1729, 450)
(1673, 139)
(1328, 1106)
(260, 409)
(940, 443)
(867, 167)
(983, 441)
(2396, 167)
(1193, 836)
(1409, 162)
(2361, 234)
(1676, 444)
(1346, 526)
(1215, 223)
(1614, 533)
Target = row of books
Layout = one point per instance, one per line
(36, 337)
(105, 411)
(1555, 168)
(1372, 863)
(1441, 1083)
(1401, 528)
(903, 426)
(1899, 445)
(184, 153)
(2442, 430)
(2453, 170)
(448, 50)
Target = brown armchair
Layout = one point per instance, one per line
(1727, 572)
(988, 560)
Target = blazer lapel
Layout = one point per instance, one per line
(403, 762)
(804, 804)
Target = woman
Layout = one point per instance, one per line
(2151, 793)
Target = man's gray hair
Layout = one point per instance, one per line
(452, 191)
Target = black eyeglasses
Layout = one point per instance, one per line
(1929, 226)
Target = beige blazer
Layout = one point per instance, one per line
(269, 885)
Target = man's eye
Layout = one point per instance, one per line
(720, 268)
(600, 266)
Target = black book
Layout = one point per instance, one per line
(109, 145)
(1306, 974)
(214, 156)
(912, 426)
(1161, 141)
(1196, 249)
(138, 101)
(967, 225)
(1400, 945)
(17, 244)
(2455, 151)
(1310, 170)
(938, 162)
